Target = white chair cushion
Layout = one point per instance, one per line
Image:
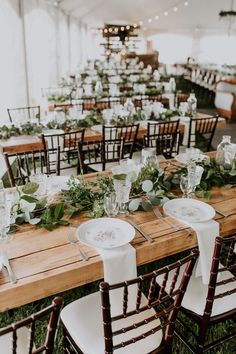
(83, 320)
(22, 342)
(195, 296)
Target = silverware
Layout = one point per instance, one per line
(73, 240)
(159, 215)
(221, 213)
(5, 262)
(74, 225)
(144, 234)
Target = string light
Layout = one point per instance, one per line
(122, 28)
(165, 12)
(127, 27)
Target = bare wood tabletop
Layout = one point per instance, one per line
(45, 263)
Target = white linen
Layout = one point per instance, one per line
(206, 233)
(119, 264)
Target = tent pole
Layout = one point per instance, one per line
(21, 12)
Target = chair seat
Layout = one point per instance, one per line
(83, 320)
(195, 296)
(22, 342)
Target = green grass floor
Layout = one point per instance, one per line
(69, 296)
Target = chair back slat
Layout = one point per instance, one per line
(99, 152)
(23, 114)
(164, 136)
(201, 131)
(128, 133)
(53, 312)
(26, 163)
(222, 245)
(153, 301)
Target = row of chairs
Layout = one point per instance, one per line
(69, 151)
(149, 317)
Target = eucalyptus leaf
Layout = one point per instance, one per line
(29, 198)
(120, 177)
(30, 188)
(134, 204)
(146, 205)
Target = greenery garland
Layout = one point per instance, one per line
(150, 187)
(214, 175)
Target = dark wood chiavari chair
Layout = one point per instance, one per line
(135, 326)
(97, 155)
(128, 133)
(68, 143)
(211, 305)
(201, 132)
(21, 336)
(164, 136)
(21, 166)
(23, 114)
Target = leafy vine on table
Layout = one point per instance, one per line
(151, 186)
(214, 175)
(91, 119)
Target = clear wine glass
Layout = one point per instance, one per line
(184, 185)
(111, 205)
(5, 216)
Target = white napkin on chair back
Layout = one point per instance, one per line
(206, 233)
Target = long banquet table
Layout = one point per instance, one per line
(45, 263)
(29, 143)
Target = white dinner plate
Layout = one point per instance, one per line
(184, 158)
(105, 233)
(190, 210)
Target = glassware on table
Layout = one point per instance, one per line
(5, 221)
(111, 205)
(184, 185)
(183, 108)
(41, 180)
(122, 190)
(53, 187)
(147, 153)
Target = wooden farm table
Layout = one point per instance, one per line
(25, 143)
(45, 263)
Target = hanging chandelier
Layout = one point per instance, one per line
(229, 16)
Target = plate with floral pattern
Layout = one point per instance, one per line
(105, 233)
(190, 210)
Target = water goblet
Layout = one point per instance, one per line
(184, 185)
(5, 216)
(122, 190)
(111, 205)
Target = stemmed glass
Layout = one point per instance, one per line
(122, 190)
(111, 205)
(5, 220)
(184, 185)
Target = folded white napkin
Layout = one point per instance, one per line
(119, 264)
(206, 233)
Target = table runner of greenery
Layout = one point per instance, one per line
(152, 185)
(95, 117)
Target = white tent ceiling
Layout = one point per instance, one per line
(202, 14)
